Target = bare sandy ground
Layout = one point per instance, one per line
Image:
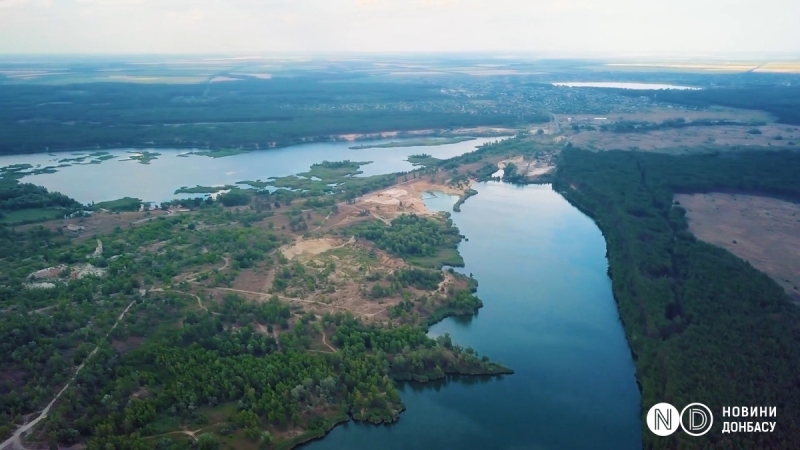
(761, 230)
(528, 168)
(313, 247)
(405, 198)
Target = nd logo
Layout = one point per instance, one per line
(696, 419)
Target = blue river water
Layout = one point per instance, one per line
(548, 309)
(548, 314)
(158, 180)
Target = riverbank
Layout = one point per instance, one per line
(431, 142)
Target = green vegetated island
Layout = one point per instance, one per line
(428, 142)
(210, 320)
(324, 177)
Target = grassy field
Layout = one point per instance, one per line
(25, 216)
(444, 257)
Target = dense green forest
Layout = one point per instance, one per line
(410, 235)
(248, 114)
(781, 101)
(161, 354)
(704, 325)
(22, 203)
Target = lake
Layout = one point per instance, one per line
(158, 180)
(548, 314)
(623, 85)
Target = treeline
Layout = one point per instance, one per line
(632, 126)
(16, 196)
(120, 399)
(704, 325)
(781, 101)
(245, 114)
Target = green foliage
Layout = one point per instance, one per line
(236, 197)
(220, 153)
(418, 278)
(705, 326)
(22, 203)
(469, 193)
(245, 115)
(122, 204)
(204, 189)
(429, 142)
(423, 159)
(412, 236)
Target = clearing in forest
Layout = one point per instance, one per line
(764, 231)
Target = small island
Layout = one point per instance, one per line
(426, 142)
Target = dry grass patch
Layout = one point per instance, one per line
(764, 231)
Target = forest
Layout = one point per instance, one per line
(22, 203)
(247, 114)
(426, 241)
(704, 325)
(161, 352)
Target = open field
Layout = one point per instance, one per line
(737, 128)
(662, 113)
(98, 223)
(764, 231)
(691, 139)
(713, 66)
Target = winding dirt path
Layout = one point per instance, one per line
(15, 441)
(323, 222)
(324, 341)
(192, 434)
(199, 301)
(227, 260)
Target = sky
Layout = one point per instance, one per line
(544, 27)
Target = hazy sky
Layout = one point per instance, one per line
(609, 27)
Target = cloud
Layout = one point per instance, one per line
(12, 3)
(531, 26)
(191, 17)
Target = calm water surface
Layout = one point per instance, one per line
(548, 314)
(158, 180)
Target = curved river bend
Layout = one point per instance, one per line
(548, 310)
(548, 314)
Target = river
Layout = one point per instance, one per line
(548, 314)
(158, 180)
